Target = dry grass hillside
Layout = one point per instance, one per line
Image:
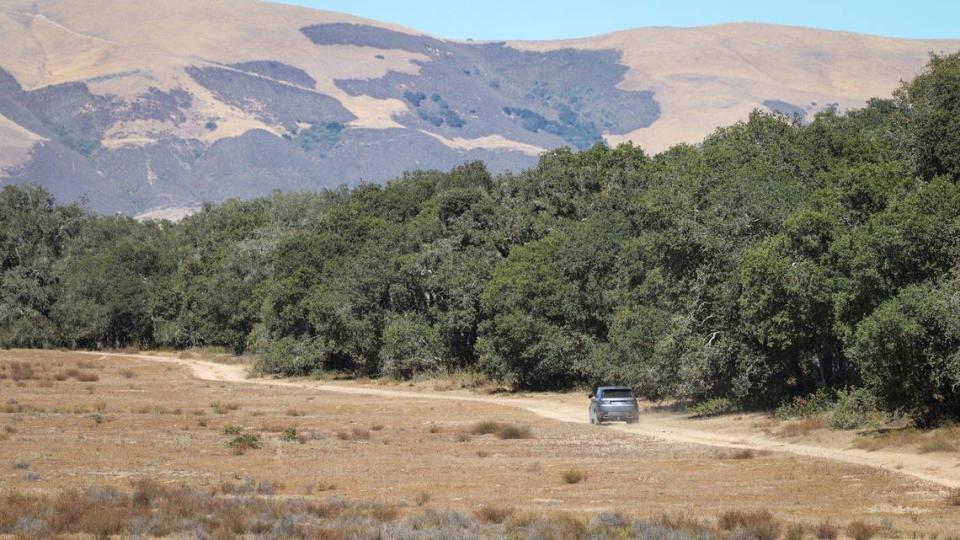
(714, 76)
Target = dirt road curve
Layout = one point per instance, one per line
(939, 470)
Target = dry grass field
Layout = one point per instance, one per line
(153, 432)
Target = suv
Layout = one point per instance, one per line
(613, 403)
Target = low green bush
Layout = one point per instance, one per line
(289, 434)
(713, 407)
(819, 402)
(246, 441)
(854, 409)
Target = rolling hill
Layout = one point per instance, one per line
(145, 107)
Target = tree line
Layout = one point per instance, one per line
(772, 260)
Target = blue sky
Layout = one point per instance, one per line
(542, 19)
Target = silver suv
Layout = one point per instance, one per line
(613, 403)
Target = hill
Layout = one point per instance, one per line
(140, 108)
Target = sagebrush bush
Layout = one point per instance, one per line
(485, 427)
(86, 376)
(826, 530)
(573, 476)
(819, 402)
(290, 434)
(502, 430)
(494, 514)
(860, 530)
(713, 407)
(354, 434)
(759, 523)
(246, 441)
(511, 431)
(223, 408)
(853, 409)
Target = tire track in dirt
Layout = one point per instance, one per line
(938, 470)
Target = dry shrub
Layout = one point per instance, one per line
(681, 522)
(501, 430)
(294, 412)
(859, 530)
(224, 408)
(938, 442)
(376, 427)
(152, 510)
(495, 514)
(889, 438)
(739, 453)
(378, 511)
(247, 485)
(311, 487)
(953, 498)
(434, 428)
(243, 442)
(826, 531)
(85, 364)
(485, 428)
(562, 525)
(795, 531)
(803, 426)
(422, 498)
(22, 371)
(355, 434)
(127, 374)
(514, 432)
(145, 492)
(61, 376)
(759, 523)
(86, 376)
(573, 476)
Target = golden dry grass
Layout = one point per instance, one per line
(159, 424)
(802, 427)
(942, 439)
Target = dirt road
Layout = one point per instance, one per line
(936, 469)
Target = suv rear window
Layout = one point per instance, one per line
(617, 394)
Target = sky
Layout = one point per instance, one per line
(557, 19)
